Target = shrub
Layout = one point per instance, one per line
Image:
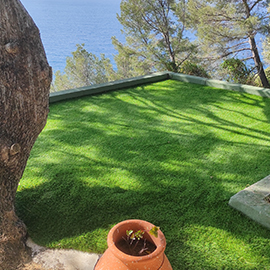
(193, 69)
(236, 71)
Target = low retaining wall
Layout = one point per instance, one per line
(258, 91)
(152, 78)
(107, 87)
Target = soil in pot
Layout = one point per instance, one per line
(137, 248)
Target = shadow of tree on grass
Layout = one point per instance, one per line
(170, 153)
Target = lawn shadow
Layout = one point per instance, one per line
(168, 156)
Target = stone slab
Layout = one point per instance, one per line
(60, 259)
(251, 202)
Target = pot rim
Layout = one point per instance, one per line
(115, 234)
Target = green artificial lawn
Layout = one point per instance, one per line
(170, 153)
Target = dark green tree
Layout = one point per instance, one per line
(193, 69)
(236, 71)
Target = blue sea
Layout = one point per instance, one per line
(65, 23)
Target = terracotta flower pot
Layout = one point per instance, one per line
(114, 259)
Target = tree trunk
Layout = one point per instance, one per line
(258, 62)
(25, 78)
(254, 49)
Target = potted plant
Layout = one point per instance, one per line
(134, 244)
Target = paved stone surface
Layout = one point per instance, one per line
(251, 202)
(59, 259)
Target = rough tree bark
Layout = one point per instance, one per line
(254, 50)
(258, 62)
(25, 78)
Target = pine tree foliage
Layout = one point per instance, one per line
(82, 69)
(156, 39)
(266, 44)
(155, 36)
(230, 28)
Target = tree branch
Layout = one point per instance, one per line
(254, 5)
(234, 52)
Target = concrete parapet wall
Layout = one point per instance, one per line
(107, 87)
(152, 78)
(187, 78)
(258, 91)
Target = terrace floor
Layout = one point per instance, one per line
(171, 153)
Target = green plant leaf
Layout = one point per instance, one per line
(129, 233)
(139, 234)
(154, 231)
